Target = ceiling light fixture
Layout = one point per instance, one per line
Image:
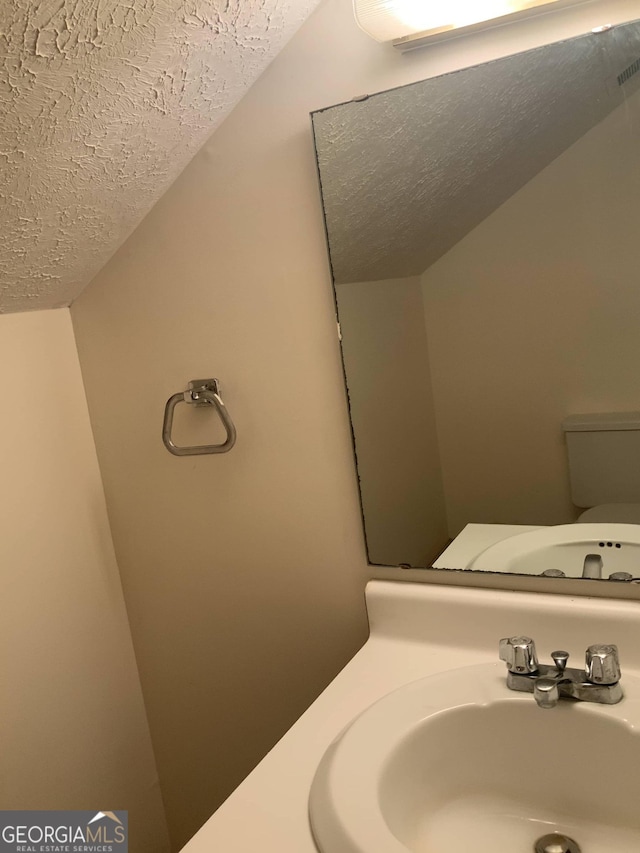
(413, 23)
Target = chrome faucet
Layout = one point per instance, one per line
(599, 681)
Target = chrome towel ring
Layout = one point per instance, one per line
(200, 392)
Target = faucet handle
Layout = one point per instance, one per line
(602, 665)
(519, 653)
(560, 659)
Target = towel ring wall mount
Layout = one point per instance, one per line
(202, 393)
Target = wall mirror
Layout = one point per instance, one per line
(484, 237)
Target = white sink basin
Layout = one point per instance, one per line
(564, 547)
(457, 763)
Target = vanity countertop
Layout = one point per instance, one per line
(416, 630)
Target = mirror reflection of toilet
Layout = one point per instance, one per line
(604, 465)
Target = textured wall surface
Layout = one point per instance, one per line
(102, 104)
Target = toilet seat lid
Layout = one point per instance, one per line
(618, 513)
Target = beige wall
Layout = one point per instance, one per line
(75, 735)
(391, 405)
(244, 573)
(532, 317)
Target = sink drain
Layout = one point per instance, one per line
(556, 843)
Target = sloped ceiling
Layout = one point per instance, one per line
(408, 173)
(102, 104)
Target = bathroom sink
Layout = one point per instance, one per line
(456, 762)
(565, 547)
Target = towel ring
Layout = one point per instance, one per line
(200, 392)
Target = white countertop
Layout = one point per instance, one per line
(416, 630)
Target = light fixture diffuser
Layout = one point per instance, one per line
(412, 23)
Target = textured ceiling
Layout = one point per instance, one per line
(407, 173)
(102, 104)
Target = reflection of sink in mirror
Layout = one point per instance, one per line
(454, 763)
(572, 549)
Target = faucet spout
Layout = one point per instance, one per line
(545, 692)
(592, 567)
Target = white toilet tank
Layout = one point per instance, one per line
(604, 458)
